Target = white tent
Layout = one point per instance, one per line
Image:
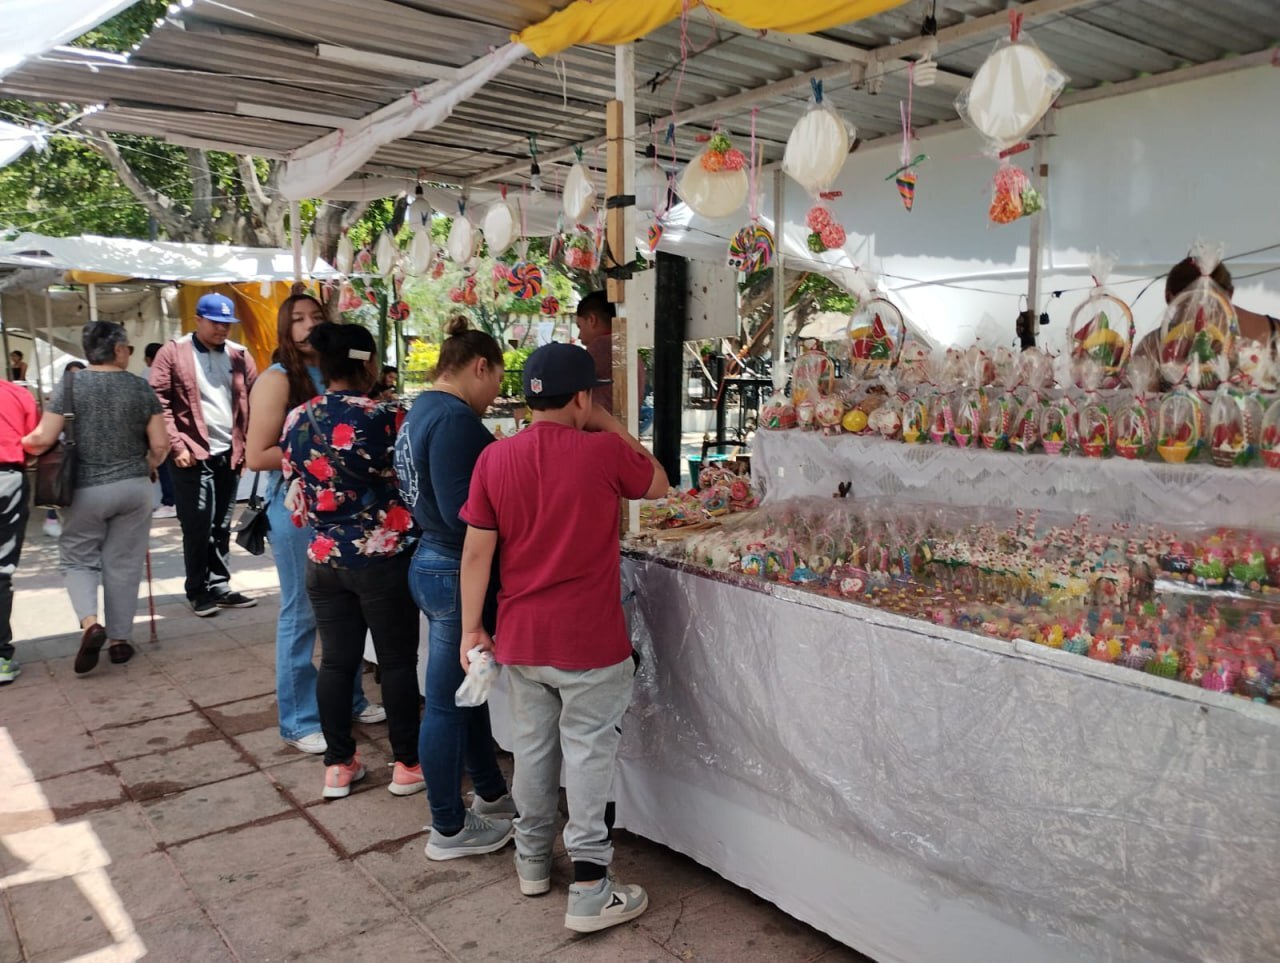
(34, 26)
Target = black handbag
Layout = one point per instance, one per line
(251, 531)
(56, 468)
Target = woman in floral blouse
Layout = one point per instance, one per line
(338, 463)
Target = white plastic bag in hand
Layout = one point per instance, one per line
(474, 690)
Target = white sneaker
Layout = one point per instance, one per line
(597, 906)
(165, 511)
(370, 714)
(313, 743)
(52, 528)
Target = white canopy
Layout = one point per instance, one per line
(153, 260)
(34, 26)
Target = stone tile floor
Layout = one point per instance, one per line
(151, 810)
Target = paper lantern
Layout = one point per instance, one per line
(421, 253)
(712, 193)
(817, 149)
(1011, 92)
(308, 253)
(346, 254)
(385, 255)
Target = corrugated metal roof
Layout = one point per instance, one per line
(196, 71)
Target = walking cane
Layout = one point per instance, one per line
(151, 599)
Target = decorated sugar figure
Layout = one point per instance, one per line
(1094, 421)
(966, 417)
(715, 184)
(1102, 327)
(914, 418)
(913, 364)
(777, 413)
(1199, 329)
(1270, 442)
(1034, 370)
(941, 418)
(1178, 428)
(812, 375)
(1057, 429)
(1012, 195)
(825, 232)
(875, 335)
(1235, 423)
(1000, 403)
(828, 411)
(1134, 434)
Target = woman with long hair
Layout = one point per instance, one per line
(435, 454)
(120, 439)
(338, 464)
(292, 380)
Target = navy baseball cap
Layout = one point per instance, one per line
(558, 369)
(217, 307)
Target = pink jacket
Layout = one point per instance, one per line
(173, 376)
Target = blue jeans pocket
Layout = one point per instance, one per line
(434, 580)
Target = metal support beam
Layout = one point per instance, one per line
(1040, 181)
(779, 283)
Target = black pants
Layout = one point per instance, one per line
(13, 528)
(348, 602)
(205, 495)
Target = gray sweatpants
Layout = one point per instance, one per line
(104, 539)
(556, 716)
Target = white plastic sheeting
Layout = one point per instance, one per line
(153, 260)
(794, 464)
(928, 795)
(34, 26)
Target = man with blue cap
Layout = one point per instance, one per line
(203, 382)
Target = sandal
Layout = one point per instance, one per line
(90, 645)
(120, 652)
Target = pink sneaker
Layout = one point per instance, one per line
(406, 780)
(338, 779)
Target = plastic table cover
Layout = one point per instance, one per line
(926, 794)
(790, 464)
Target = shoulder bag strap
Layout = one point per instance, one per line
(69, 410)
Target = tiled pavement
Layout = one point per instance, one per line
(152, 810)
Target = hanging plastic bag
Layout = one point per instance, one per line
(875, 333)
(714, 184)
(421, 253)
(579, 194)
(461, 244)
(1102, 326)
(817, 146)
(777, 413)
(1199, 329)
(386, 254)
(825, 232)
(345, 256)
(482, 672)
(1012, 90)
(1012, 195)
(500, 227)
(580, 250)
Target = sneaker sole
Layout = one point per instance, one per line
(594, 924)
(294, 744)
(10, 677)
(535, 887)
(237, 605)
(205, 613)
(370, 722)
(439, 855)
(411, 790)
(342, 792)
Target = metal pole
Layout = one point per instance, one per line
(93, 302)
(48, 324)
(779, 283)
(4, 333)
(1039, 180)
(35, 347)
(295, 235)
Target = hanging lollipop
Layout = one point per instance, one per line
(905, 176)
(524, 280)
(751, 248)
(550, 305)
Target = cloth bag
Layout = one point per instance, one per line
(251, 531)
(56, 468)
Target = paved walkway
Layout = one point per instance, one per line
(152, 810)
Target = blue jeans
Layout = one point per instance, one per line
(296, 624)
(451, 738)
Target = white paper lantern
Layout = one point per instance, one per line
(461, 243)
(1012, 90)
(651, 187)
(308, 253)
(385, 255)
(421, 254)
(418, 213)
(817, 149)
(500, 227)
(579, 194)
(345, 255)
(712, 193)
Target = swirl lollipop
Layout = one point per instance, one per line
(524, 280)
(550, 305)
(751, 249)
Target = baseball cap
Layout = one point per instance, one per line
(559, 369)
(217, 307)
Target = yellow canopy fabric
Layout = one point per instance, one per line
(257, 314)
(94, 277)
(622, 21)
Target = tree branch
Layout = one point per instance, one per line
(158, 205)
(201, 193)
(258, 199)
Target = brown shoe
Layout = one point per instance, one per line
(90, 645)
(119, 652)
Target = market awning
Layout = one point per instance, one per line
(33, 26)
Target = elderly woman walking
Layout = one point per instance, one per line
(120, 439)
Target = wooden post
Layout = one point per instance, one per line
(779, 284)
(620, 129)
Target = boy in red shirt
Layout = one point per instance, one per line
(18, 417)
(548, 497)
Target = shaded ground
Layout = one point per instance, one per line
(152, 810)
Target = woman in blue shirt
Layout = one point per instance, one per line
(292, 380)
(337, 465)
(435, 454)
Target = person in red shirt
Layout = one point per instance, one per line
(18, 417)
(546, 501)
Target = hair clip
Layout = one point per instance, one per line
(356, 355)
